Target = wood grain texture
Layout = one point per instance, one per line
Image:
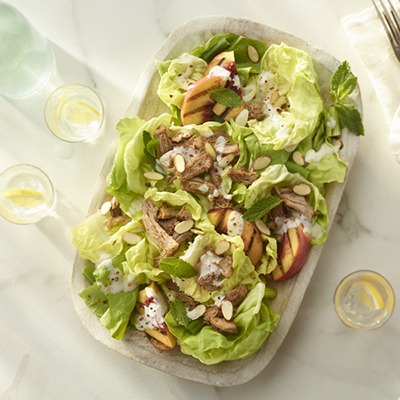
(146, 104)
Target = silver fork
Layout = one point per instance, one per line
(390, 19)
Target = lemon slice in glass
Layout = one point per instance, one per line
(80, 113)
(24, 197)
(368, 295)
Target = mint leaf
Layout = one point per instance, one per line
(177, 267)
(261, 208)
(178, 310)
(226, 97)
(350, 118)
(343, 83)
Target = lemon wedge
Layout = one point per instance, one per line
(24, 197)
(80, 113)
(368, 295)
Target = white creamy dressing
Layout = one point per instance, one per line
(183, 79)
(284, 223)
(316, 156)
(267, 87)
(218, 300)
(188, 154)
(219, 71)
(219, 145)
(118, 281)
(221, 192)
(235, 224)
(153, 316)
(209, 265)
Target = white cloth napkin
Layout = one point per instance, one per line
(368, 38)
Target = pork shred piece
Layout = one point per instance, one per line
(196, 166)
(295, 202)
(213, 316)
(225, 265)
(164, 140)
(223, 325)
(240, 175)
(189, 301)
(168, 245)
(237, 294)
(207, 282)
(117, 216)
(198, 185)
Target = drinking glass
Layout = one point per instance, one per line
(26, 194)
(75, 113)
(26, 57)
(364, 300)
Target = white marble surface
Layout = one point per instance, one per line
(47, 354)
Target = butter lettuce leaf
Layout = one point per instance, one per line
(293, 72)
(278, 175)
(126, 181)
(177, 75)
(243, 270)
(121, 306)
(255, 320)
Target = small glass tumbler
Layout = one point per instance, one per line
(26, 194)
(26, 57)
(364, 300)
(75, 113)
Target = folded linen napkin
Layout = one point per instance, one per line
(368, 38)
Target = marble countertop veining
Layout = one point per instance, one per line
(46, 353)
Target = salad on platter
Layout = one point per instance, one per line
(211, 204)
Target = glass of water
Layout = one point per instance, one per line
(364, 300)
(26, 194)
(26, 57)
(75, 113)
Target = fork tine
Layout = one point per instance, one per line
(394, 21)
(383, 18)
(391, 24)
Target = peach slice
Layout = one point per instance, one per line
(231, 223)
(197, 104)
(159, 336)
(224, 60)
(292, 253)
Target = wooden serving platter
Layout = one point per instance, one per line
(146, 104)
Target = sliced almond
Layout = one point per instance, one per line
(298, 158)
(253, 54)
(184, 226)
(105, 208)
(227, 309)
(179, 163)
(153, 176)
(225, 161)
(261, 162)
(197, 232)
(302, 189)
(242, 117)
(262, 227)
(197, 312)
(131, 238)
(209, 148)
(222, 247)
